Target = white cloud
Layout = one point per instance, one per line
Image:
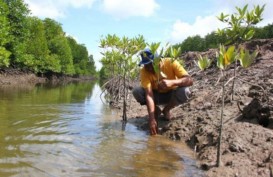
(44, 9)
(55, 8)
(79, 3)
(121, 9)
(201, 26)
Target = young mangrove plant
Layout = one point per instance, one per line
(224, 59)
(118, 61)
(240, 28)
(203, 62)
(245, 58)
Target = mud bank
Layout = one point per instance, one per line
(247, 142)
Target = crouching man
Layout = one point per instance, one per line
(168, 88)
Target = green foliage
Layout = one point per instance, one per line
(264, 32)
(4, 35)
(51, 64)
(36, 50)
(52, 29)
(226, 57)
(80, 56)
(18, 12)
(240, 29)
(240, 24)
(102, 74)
(118, 61)
(59, 46)
(157, 57)
(4, 57)
(4, 24)
(118, 54)
(39, 45)
(203, 62)
(193, 43)
(17, 17)
(245, 58)
(91, 67)
(168, 51)
(175, 52)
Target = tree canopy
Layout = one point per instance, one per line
(41, 46)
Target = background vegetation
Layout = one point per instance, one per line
(212, 40)
(40, 46)
(198, 43)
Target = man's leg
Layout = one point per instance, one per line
(179, 96)
(139, 95)
(176, 97)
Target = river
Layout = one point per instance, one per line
(66, 130)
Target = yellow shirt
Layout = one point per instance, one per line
(172, 70)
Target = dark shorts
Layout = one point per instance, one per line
(179, 95)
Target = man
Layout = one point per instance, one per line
(169, 87)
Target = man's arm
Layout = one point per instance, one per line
(151, 110)
(184, 81)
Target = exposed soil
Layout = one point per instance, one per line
(10, 77)
(247, 139)
(17, 78)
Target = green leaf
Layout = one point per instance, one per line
(4, 57)
(244, 10)
(203, 62)
(249, 35)
(175, 52)
(154, 47)
(219, 32)
(156, 64)
(230, 55)
(222, 17)
(246, 59)
(225, 58)
(220, 62)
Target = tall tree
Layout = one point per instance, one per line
(80, 56)
(59, 46)
(37, 50)
(4, 35)
(53, 29)
(17, 16)
(91, 67)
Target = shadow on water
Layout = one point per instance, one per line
(67, 131)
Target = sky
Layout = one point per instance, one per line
(165, 21)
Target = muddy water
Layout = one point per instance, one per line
(68, 131)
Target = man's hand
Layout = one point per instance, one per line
(165, 83)
(153, 126)
(182, 82)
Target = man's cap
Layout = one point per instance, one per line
(147, 57)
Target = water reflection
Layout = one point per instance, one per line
(67, 131)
